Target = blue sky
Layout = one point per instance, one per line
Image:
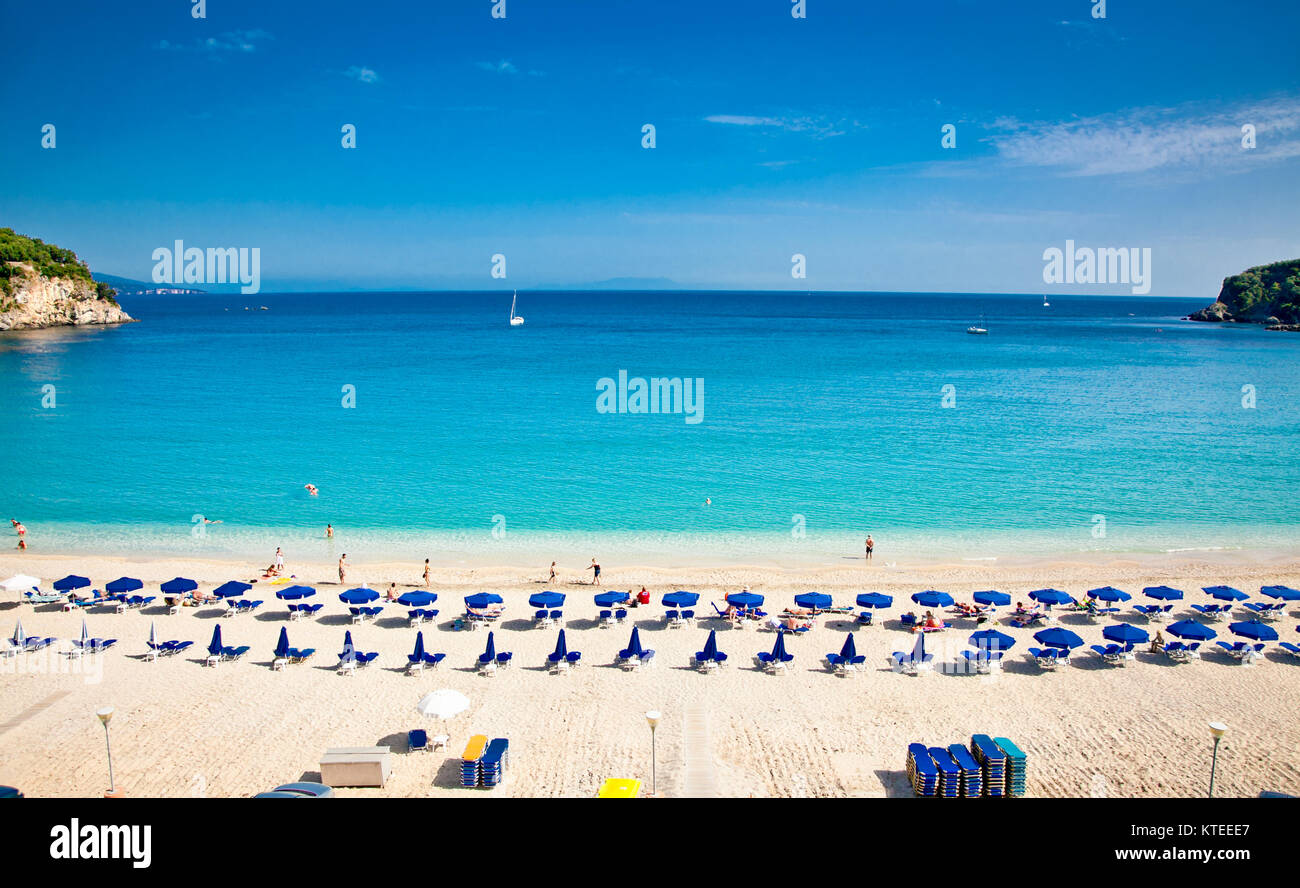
(775, 136)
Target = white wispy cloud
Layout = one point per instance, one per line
(1141, 140)
(815, 126)
(225, 42)
(502, 67)
(363, 74)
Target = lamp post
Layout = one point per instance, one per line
(652, 719)
(1217, 730)
(105, 716)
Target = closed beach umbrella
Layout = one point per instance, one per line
(153, 635)
(918, 649)
(1058, 638)
(711, 645)
(1255, 630)
(70, 582)
(561, 648)
(418, 598)
(127, 584)
(1191, 630)
(681, 598)
(546, 598)
(1125, 633)
(875, 599)
(1163, 593)
(480, 599)
(85, 632)
(744, 599)
(490, 652)
(1225, 593)
(992, 639)
(214, 646)
(606, 599)
(20, 583)
(171, 587)
(19, 636)
(992, 597)
(849, 650)
(1050, 596)
(293, 593)
(232, 589)
(1109, 593)
(349, 649)
(443, 703)
(814, 600)
(634, 643)
(778, 649)
(932, 598)
(1285, 593)
(417, 655)
(358, 596)
(282, 646)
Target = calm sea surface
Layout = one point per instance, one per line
(1095, 424)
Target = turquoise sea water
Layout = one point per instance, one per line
(822, 420)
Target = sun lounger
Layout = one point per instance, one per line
(922, 771)
(865, 618)
(1024, 621)
(557, 616)
(606, 619)
(983, 660)
(620, 615)
(417, 740)
(41, 597)
(504, 659)
(541, 619)
(909, 663)
(1293, 650)
(1047, 658)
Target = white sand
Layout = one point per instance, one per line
(183, 729)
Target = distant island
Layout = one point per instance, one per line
(129, 287)
(1265, 294)
(42, 285)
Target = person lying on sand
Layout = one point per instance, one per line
(792, 624)
(271, 571)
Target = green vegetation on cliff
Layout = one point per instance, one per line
(47, 259)
(1265, 291)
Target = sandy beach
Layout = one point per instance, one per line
(182, 729)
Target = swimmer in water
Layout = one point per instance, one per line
(311, 489)
(708, 501)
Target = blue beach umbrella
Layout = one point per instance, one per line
(634, 643)
(490, 652)
(711, 645)
(1191, 630)
(293, 593)
(418, 598)
(1058, 638)
(1255, 630)
(282, 646)
(918, 649)
(931, 598)
(606, 599)
(361, 595)
(850, 649)
(233, 589)
(875, 599)
(681, 598)
(214, 647)
(1163, 593)
(1125, 633)
(744, 599)
(70, 582)
(482, 599)
(546, 599)
(1051, 596)
(992, 598)
(778, 649)
(992, 639)
(561, 648)
(1225, 593)
(418, 654)
(814, 600)
(174, 586)
(1285, 593)
(129, 584)
(153, 635)
(1109, 593)
(349, 649)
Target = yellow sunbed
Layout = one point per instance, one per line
(474, 749)
(619, 788)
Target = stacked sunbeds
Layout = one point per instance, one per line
(993, 764)
(484, 763)
(990, 767)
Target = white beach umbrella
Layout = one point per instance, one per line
(153, 636)
(20, 583)
(442, 704)
(19, 637)
(85, 633)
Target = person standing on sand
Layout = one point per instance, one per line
(426, 572)
(595, 575)
(279, 560)
(343, 568)
(871, 544)
(329, 531)
(551, 578)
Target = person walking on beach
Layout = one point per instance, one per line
(426, 572)
(871, 544)
(279, 560)
(343, 568)
(551, 578)
(595, 572)
(329, 531)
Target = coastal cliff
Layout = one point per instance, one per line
(1265, 294)
(42, 285)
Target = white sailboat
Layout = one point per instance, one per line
(1046, 304)
(515, 320)
(978, 329)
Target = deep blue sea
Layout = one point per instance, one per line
(1098, 423)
